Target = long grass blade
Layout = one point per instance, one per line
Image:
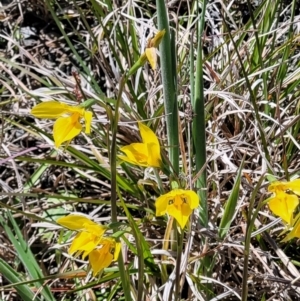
(12, 276)
(231, 206)
(25, 255)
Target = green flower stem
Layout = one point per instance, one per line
(178, 264)
(231, 205)
(139, 63)
(88, 103)
(168, 72)
(168, 233)
(113, 164)
(250, 224)
(140, 247)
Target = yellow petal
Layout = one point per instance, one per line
(187, 196)
(148, 136)
(49, 109)
(88, 120)
(137, 154)
(152, 57)
(154, 157)
(283, 205)
(103, 256)
(157, 38)
(191, 196)
(150, 139)
(84, 242)
(75, 222)
(180, 208)
(180, 215)
(117, 250)
(100, 259)
(161, 204)
(66, 128)
(88, 239)
(294, 186)
(76, 243)
(276, 187)
(295, 232)
(76, 109)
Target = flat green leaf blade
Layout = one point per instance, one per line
(24, 253)
(23, 290)
(230, 207)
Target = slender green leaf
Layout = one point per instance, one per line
(25, 255)
(13, 277)
(230, 206)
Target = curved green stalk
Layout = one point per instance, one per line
(231, 205)
(113, 155)
(178, 264)
(141, 245)
(250, 223)
(26, 257)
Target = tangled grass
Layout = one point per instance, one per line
(242, 61)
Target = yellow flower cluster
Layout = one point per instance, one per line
(284, 202)
(178, 203)
(90, 241)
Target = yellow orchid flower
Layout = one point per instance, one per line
(178, 203)
(282, 203)
(104, 255)
(145, 154)
(67, 126)
(88, 237)
(90, 241)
